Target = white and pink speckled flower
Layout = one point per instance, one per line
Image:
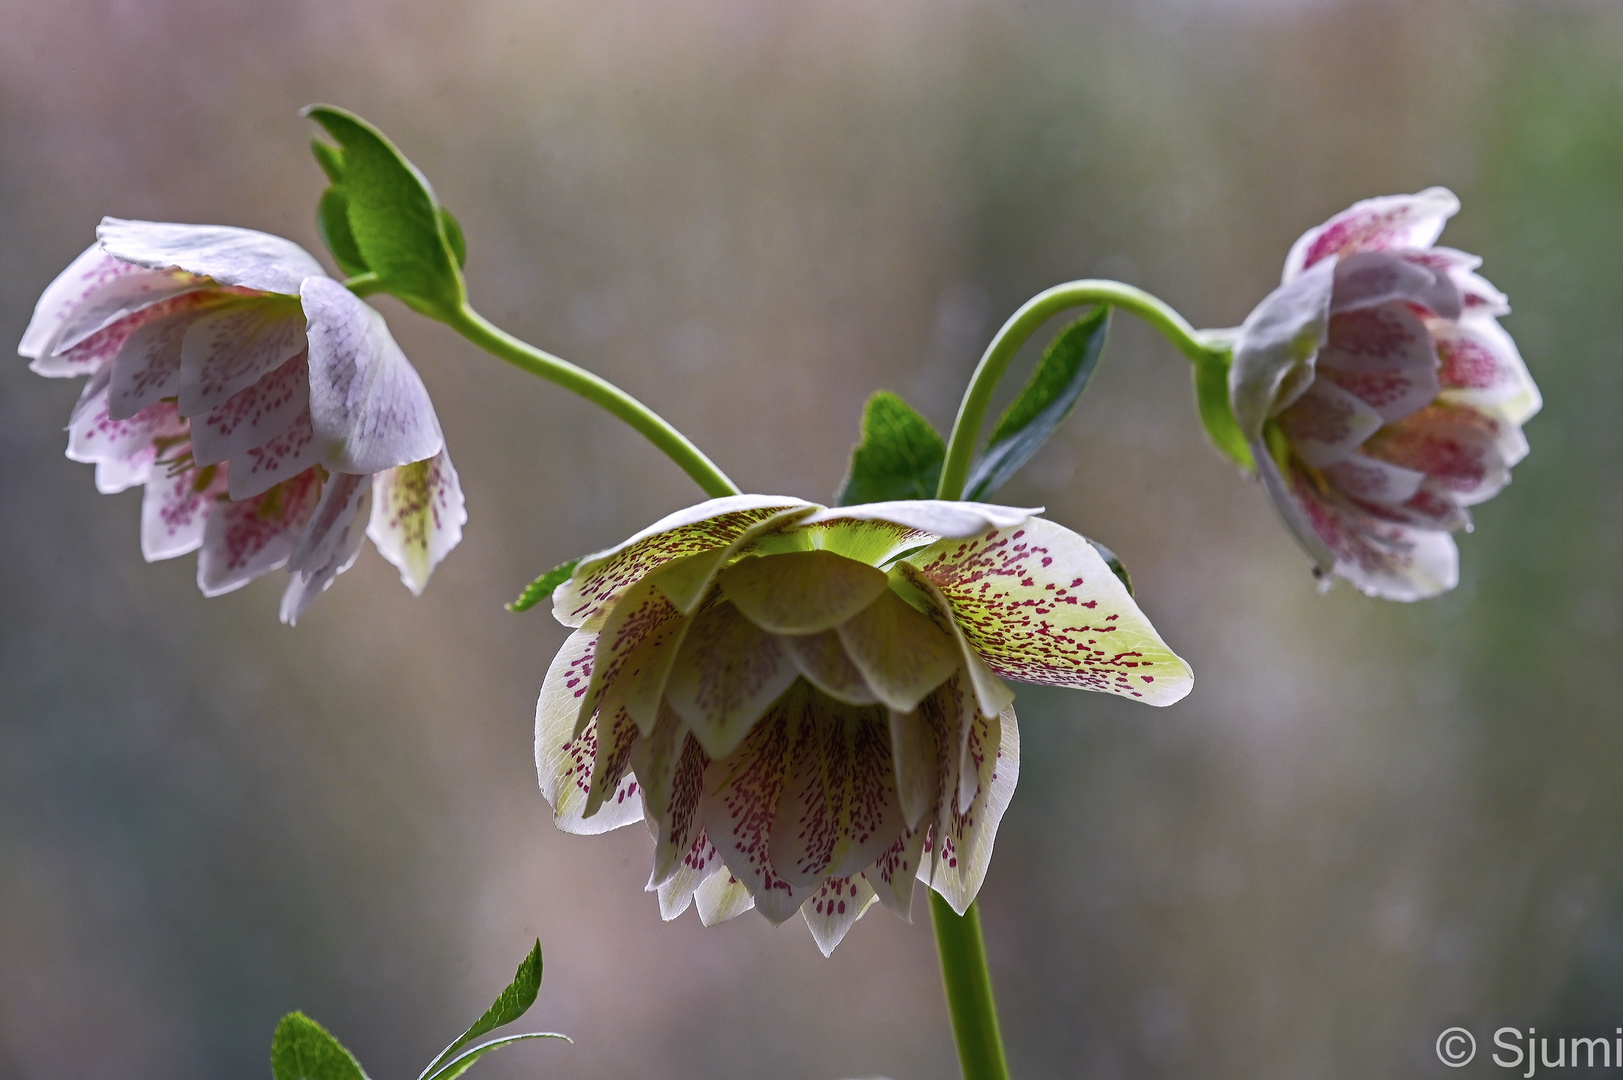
(1379, 395)
(807, 704)
(264, 407)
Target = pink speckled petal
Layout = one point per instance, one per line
(251, 417)
(721, 897)
(839, 810)
(417, 517)
(1040, 605)
(370, 408)
(1387, 223)
(726, 675)
(800, 592)
(616, 738)
(1482, 367)
(935, 516)
(893, 873)
(821, 659)
(145, 348)
(1385, 357)
(330, 542)
(739, 806)
(1369, 279)
(1381, 559)
(175, 509)
(95, 291)
(246, 539)
(287, 453)
(961, 842)
(671, 766)
(564, 762)
(558, 708)
(992, 694)
(635, 642)
(223, 253)
(233, 346)
(914, 755)
(1275, 349)
(1456, 447)
(84, 277)
(834, 908)
(1372, 480)
(599, 579)
(692, 870)
(1431, 508)
(952, 719)
(125, 452)
(1478, 296)
(1328, 424)
(901, 653)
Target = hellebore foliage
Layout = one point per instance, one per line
(541, 588)
(304, 1050)
(1212, 398)
(899, 457)
(380, 217)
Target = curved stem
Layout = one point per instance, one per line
(1021, 325)
(676, 446)
(969, 991)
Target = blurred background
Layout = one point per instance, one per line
(1369, 822)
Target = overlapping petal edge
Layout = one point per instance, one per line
(266, 409)
(807, 704)
(1379, 395)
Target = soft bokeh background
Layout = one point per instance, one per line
(1368, 823)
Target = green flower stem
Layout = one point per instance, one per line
(676, 446)
(1021, 325)
(969, 990)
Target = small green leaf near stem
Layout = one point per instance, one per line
(1021, 325)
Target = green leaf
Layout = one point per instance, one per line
(454, 237)
(464, 1061)
(332, 222)
(899, 457)
(1117, 567)
(394, 218)
(1212, 397)
(303, 1050)
(1061, 376)
(329, 158)
(541, 588)
(511, 1004)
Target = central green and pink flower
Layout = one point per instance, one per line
(807, 704)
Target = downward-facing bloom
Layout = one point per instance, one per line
(1379, 395)
(807, 704)
(264, 406)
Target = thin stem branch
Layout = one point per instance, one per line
(676, 446)
(1021, 325)
(969, 990)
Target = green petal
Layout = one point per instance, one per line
(727, 674)
(802, 592)
(900, 652)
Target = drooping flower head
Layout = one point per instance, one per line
(807, 704)
(264, 406)
(1379, 395)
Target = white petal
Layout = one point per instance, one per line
(417, 517)
(901, 653)
(1481, 366)
(821, 659)
(914, 754)
(175, 509)
(1372, 480)
(93, 292)
(692, 870)
(71, 288)
(1368, 279)
(727, 674)
(938, 516)
(1327, 424)
(124, 451)
(252, 417)
(287, 453)
(722, 897)
(671, 766)
(146, 365)
(992, 694)
(555, 713)
(233, 346)
(228, 255)
(1382, 559)
(1384, 356)
(369, 405)
(243, 540)
(635, 643)
(564, 763)
(330, 542)
(961, 842)
(893, 873)
(1382, 224)
(801, 592)
(834, 908)
(1274, 353)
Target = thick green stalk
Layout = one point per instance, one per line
(969, 990)
(1021, 325)
(676, 446)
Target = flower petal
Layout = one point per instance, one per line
(370, 407)
(671, 766)
(1040, 605)
(1372, 480)
(1367, 279)
(175, 508)
(1385, 357)
(233, 346)
(893, 873)
(937, 516)
(728, 673)
(252, 416)
(1456, 447)
(330, 543)
(631, 644)
(1482, 367)
(800, 592)
(287, 453)
(617, 735)
(835, 907)
(228, 255)
(1431, 508)
(821, 659)
(1390, 561)
(1328, 424)
(417, 517)
(1382, 224)
(914, 755)
(722, 897)
(960, 846)
(146, 361)
(124, 451)
(95, 291)
(84, 276)
(1275, 348)
(839, 810)
(558, 708)
(992, 694)
(695, 867)
(1478, 296)
(243, 540)
(599, 579)
(900, 652)
(739, 806)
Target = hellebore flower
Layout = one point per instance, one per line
(263, 405)
(1379, 395)
(807, 704)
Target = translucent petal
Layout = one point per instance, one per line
(288, 453)
(95, 291)
(695, 867)
(834, 908)
(642, 621)
(1456, 447)
(1327, 424)
(902, 654)
(1276, 346)
(1379, 558)
(1387, 223)
(243, 540)
(616, 737)
(722, 897)
(228, 255)
(125, 452)
(146, 362)
(961, 842)
(936, 516)
(914, 754)
(330, 542)
(175, 508)
(557, 709)
(893, 873)
(728, 672)
(992, 694)
(1385, 357)
(253, 416)
(1367, 279)
(821, 659)
(671, 766)
(802, 592)
(230, 347)
(417, 517)
(1482, 367)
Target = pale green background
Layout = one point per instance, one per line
(1369, 822)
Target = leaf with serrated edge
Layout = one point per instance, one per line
(509, 1005)
(304, 1050)
(1055, 387)
(899, 457)
(541, 588)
